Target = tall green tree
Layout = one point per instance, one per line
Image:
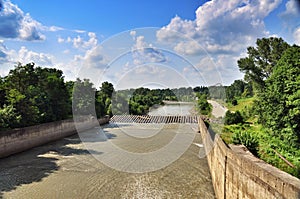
(203, 106)
(83, 97)
(279, 105)
(261, 60)
(104, 99)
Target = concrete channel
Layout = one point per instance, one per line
(66, 169)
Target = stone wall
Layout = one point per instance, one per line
(236, 173)
(18, 140)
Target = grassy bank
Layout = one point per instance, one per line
(269, 148)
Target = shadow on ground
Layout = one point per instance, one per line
(37, 163)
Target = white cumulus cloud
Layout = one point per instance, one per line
(223, 29)
(26, 56)
(15, 24)
(79, 42)
(146, 53)
(297, 36)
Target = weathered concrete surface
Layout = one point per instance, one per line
(65, 169)
(236, 173)
(21, 139)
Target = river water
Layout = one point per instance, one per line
(68, 169)
(172, 109)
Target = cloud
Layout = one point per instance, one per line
(3, 54)
(26, 56)
(15, 24)
(93, 58)
(145, 53)
(290, 16)
(60, 40)
(188, 47)
(220, 26)
(297, 36)
(223, 29)
(291, 9)
(79, 42)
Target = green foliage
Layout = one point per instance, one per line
(234, 102)
(233, 118)
(104, 100)
(83, 97)
(279, 106)
(202, 105)
(32, 95)
(238, 89)
(217, 92)
(261, 60)
(9, 117)
(247, 139)
(274, 68)
(144, 98)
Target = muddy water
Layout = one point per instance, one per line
(65, 169)
(172, 109)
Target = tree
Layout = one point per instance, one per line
(233, 118)
(279, 106)
(202, 105)
(83, 97)
(103, 99)
(261, 60)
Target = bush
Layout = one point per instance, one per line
(247, 139)
(233, 118)
(234, 102)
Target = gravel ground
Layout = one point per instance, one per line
(66, 169)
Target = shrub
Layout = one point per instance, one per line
(233, 118)
(234, 102)
(247, 139)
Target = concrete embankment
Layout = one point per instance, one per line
(18, 140)
(236, 173)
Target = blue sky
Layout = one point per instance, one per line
(192, 42)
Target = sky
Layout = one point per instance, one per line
(132, 43)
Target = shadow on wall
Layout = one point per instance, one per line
(36, 164)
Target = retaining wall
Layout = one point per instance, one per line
(18, 140)
(236, 173)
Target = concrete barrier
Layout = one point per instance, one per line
(236, 173)
(18, 140)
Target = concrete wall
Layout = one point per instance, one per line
(236, 173)
(18, 140)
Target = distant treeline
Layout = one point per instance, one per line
(31, 95)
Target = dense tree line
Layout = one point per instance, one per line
(139, 101)
(238, 89)
(32, 95)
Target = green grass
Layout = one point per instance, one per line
(242, 103)
(267, 143)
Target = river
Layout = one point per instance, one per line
(173, 109)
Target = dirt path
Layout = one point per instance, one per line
(65, 169)
(218, 109)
